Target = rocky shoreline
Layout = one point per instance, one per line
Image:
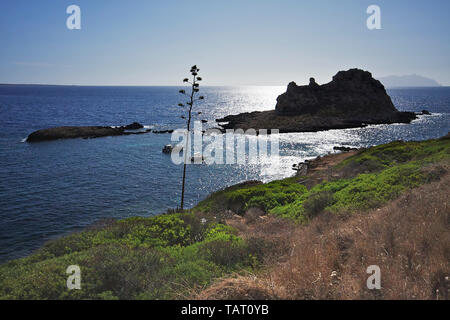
(352, 99)
(304, 123)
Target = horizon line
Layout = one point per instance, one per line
(136, 85)
(172, 85)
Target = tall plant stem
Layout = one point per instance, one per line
(187, 142)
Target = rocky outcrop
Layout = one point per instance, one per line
(350, 93)
(167, 148)
(134, 126)
(86, 132)
(352, 99)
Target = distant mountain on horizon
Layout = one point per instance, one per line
(412, 80)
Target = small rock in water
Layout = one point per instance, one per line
(301, 168)
(167, 148)
(162, 131)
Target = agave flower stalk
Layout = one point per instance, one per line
(195, 88)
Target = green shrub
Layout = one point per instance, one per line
(262, 196)
(372, 190)
(317, 202)
(365, 191)
(398, 152)
(137, 258)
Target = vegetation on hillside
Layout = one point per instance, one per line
(408, 238)
(137, 258)
(365, 180)
(310, 223)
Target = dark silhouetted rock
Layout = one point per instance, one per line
(301, 168)
(134, 126)
(85, 132)
(352, 99)
(350, 93)
(162, 131)
(167, 148)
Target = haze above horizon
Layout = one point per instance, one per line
(233, 42)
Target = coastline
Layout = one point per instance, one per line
(211, 240)
(303, 123)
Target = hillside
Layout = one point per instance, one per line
(412, 80)
(305, 237)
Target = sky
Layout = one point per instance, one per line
(233, 42)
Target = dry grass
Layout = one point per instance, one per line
(241, 288)
(409, 239)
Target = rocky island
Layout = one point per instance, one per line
(86, 132)
(352, 99)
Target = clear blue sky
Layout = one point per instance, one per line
(234, 42)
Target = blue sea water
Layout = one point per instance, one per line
(52, 188)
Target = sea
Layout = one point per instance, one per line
(53, 188)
